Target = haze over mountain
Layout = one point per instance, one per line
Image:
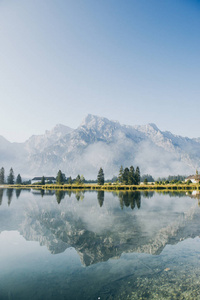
(99, 142)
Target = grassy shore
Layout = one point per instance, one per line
(109, 187)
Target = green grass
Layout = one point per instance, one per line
(112, 187)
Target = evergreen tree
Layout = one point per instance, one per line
(78, 179)
(11, 177)
(2, 176)
(148, 177)
(100, 177)
(131, 176)
(125, 176)
(18, 179)
(137, 175)
(43, 181)
(59, 178)
(120, 176)
(64, 178)
(82, 179)
(69, 181)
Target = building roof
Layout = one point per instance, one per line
(196, 177)
(46, 178)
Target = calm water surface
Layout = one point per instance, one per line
(99, 245)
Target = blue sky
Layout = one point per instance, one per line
(137, 62)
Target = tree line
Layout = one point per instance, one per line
(80, 179)
(10, 178)
(129, 176)
(61, 179)
(126, 176)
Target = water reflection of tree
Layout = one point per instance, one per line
(50, 192)
(177, 194)
(18, 192)
(60, 195)
(1, 196)
(68, 193)
(42, 192)
(100, 197)
(131, 199)
(9, 194)
(79, 195)
(138, 199)
(148, 194)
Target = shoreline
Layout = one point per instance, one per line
(107, 187)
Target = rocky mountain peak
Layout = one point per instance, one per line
(92, 121)
(153, 126)
(59, 130)
(37, 143)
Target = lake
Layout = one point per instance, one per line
(99, 245)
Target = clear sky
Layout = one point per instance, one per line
(137, 62)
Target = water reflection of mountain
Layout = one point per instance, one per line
(186, 226)
(96, 226)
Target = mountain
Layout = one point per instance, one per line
(11, 154)
(38, 143)
(99, 142)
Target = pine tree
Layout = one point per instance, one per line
(100, 177)
(78, 179)
(69, 181)
(125, 176)
(43, 181)
(11, 177)
(82, 179)
(120, 176)
(145, 181)
(59, 178)
(137, 176)
(131, 176)
(64, 178)
(2, 176)
(18, 179)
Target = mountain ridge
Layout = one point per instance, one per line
(99, 142)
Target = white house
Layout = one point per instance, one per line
(193, 178)
(47, 180)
